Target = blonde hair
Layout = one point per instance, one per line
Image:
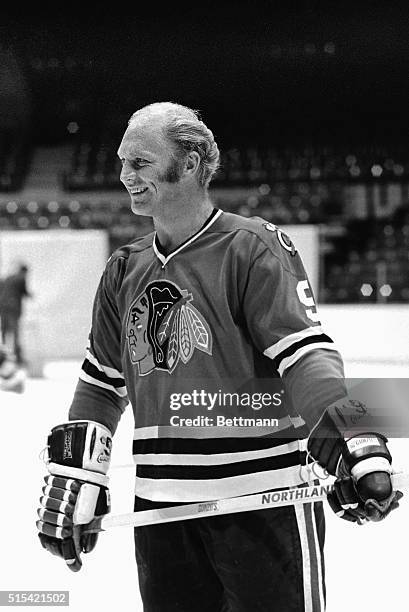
(184, 128)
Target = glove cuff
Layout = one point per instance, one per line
(365, 446)
(56, 469)
(370, 465)
(83, 445)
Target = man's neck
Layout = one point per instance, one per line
(184, 222)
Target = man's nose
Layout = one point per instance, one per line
(128, 179)
(128, 174)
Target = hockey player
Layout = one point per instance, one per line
(13, 291)
(210, 302)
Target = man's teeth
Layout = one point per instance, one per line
(141, 190)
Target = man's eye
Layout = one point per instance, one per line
(134, 162)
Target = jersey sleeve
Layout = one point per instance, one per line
(102, 368)
(278, 303)
(314, 383)
(102, 364)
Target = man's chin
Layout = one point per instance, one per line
(141, 208)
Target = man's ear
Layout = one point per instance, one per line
(192, 162)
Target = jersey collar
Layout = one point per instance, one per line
(158, 249)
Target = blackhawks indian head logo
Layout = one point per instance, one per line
(164, 327)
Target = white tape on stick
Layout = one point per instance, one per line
(245, 503)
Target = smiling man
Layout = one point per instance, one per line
(166, 182)
(210, 302)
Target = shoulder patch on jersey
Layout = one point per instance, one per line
(164, 327)
(260, 227)
(283, 239)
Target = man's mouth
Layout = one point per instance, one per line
(138, 191)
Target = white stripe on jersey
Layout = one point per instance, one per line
(216, 458)
(111, 372)
(169, 431)
(121, 391)
(289, 361)
(280, 346)
(172, 490)
(311, 559)
(306, 561)
(319, 560)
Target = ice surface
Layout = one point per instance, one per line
(365, 566)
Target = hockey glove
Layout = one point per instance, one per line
(76, 490)
(362, 465)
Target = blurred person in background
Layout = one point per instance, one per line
(214, 298)
(12, 376)
(13, 290)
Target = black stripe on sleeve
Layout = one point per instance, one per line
(297, 345)
(227, 470)
(92, 371)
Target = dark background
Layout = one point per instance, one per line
(260, 72)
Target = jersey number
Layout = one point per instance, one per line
(305, 296)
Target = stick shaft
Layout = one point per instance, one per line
(257, 501)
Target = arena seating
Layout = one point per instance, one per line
(369, 262)
(356, 191)
(95, 165)
(115, 217)
(362, 261)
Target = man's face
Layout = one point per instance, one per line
(149, 172)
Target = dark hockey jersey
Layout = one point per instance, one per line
(194, 340)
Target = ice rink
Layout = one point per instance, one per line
(365, 566)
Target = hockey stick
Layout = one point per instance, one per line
(257, 501)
